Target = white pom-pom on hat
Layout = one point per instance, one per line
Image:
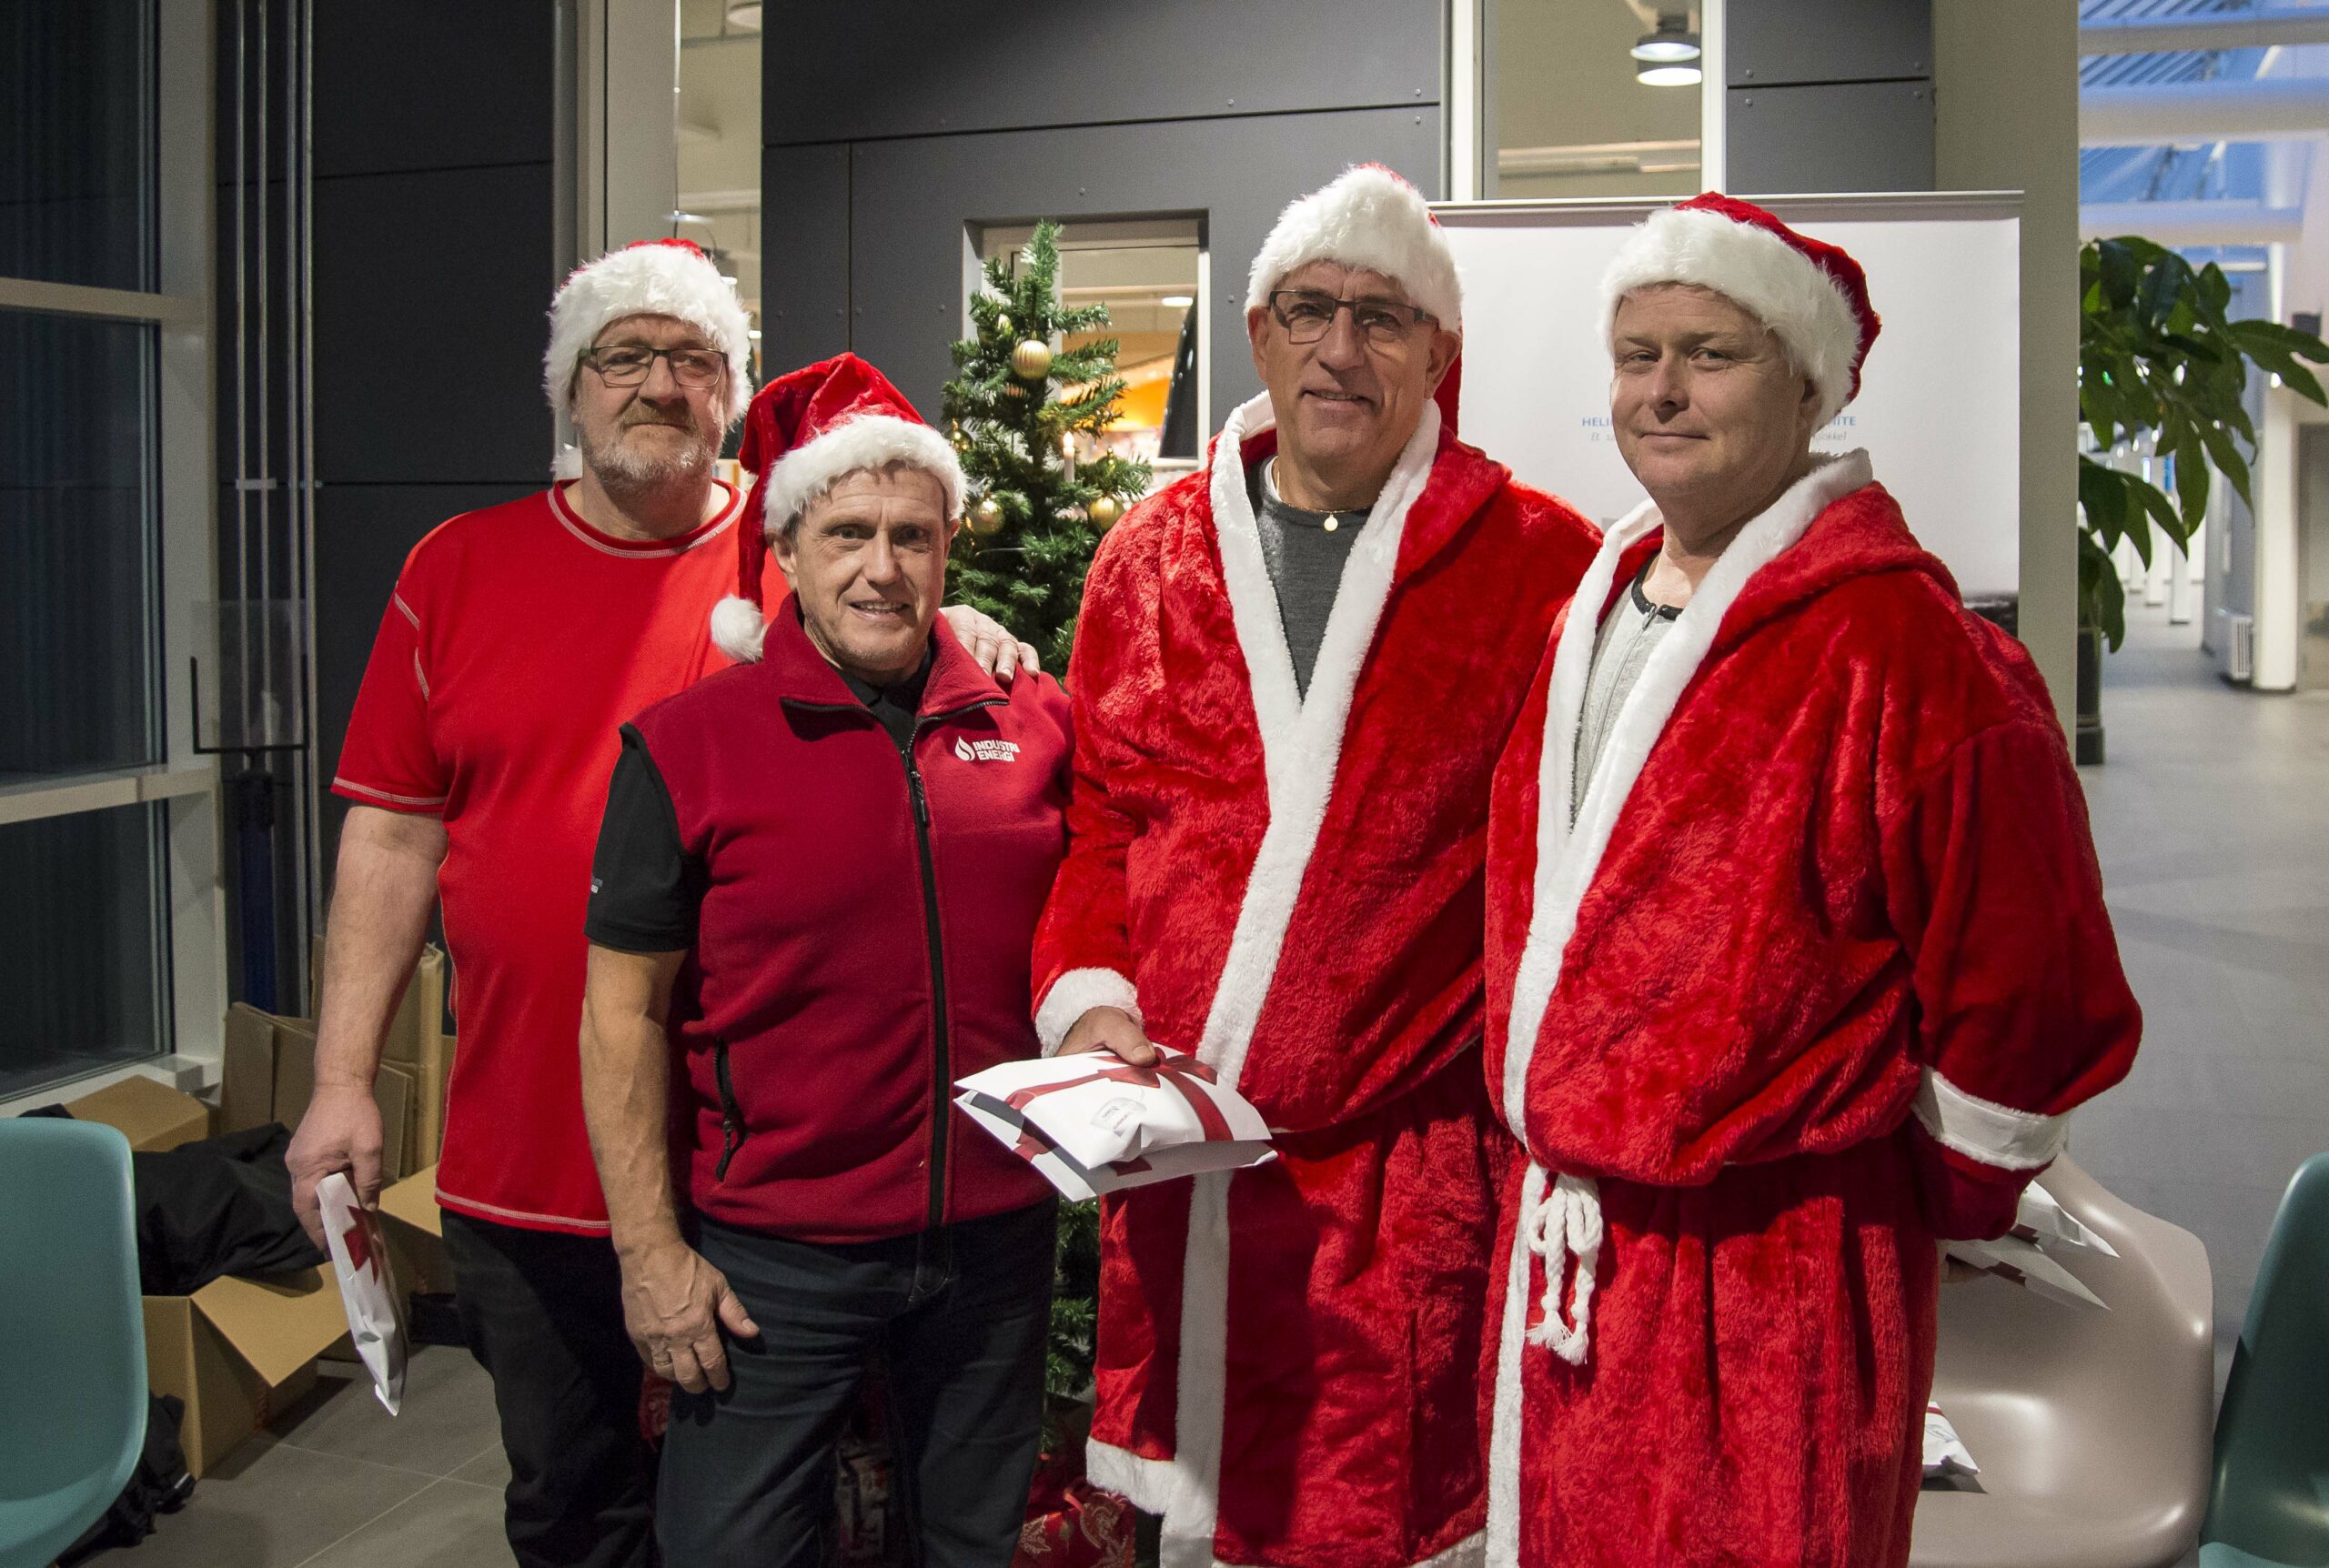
(1370, 220)
(737, 628)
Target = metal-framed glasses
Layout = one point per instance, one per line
(628, 364)
(1309, 315)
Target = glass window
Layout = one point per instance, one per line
(76, 537)
(718, 137)
(77, 141)
(1146, 271)
(83, 946)
(1592, 98)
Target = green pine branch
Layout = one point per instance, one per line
(1028, 573)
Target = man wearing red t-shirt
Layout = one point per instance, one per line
(516, 642)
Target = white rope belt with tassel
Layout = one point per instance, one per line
(1567, 1225)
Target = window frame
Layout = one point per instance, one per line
(184, 784)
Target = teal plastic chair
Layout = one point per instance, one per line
(72, 1334)
(2269, 1506)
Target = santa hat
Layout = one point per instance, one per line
(653, 278)
(803, 432)
(1812, 295)
(1371, 221)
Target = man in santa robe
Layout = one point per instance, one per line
(1797, 952)
(1292, 676)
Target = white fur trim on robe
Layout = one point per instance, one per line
(1077, 992)
(1301, 747)
(1568, 859)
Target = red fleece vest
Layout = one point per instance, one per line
(862, 941)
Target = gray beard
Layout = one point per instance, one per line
(623, 473)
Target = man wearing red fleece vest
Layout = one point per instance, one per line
(814, 896)
(1797, 953)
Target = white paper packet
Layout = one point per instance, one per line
(1945, 1451)
(367, 1288)
(2041, 1226)
(1093, 1123)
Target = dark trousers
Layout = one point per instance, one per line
(959, 1315)
(543, 1313)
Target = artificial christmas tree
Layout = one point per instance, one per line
(1019, 410)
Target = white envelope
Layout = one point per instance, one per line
(1092, 1123)
(2041, 1225)
(368, 1290)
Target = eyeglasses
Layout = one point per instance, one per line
(1309, 315)
(627, 364)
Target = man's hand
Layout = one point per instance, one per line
(674, 1305)
(999, 653)
(1110, 1029)
(340, 1132)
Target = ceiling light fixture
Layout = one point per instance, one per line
(1668, 58)
(1177, 301)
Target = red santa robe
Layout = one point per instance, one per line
(1812, 981)
(1290, 1358)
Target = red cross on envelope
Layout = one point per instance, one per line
(358, 1238)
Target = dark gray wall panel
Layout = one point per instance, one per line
(363, 533)
(1771, 42)
(912, 199)
(432, 84)
(1860, 136)
(909, 67)
(431, 291)
(804, 257)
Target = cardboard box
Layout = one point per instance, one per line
(270, 1068)
(295, 1070)
(420, 1013)
(416, 1228)
(393, 1091)
(152, 1116)
(239, 1353)
(247, 1092)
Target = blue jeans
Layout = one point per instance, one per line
(958, 1314)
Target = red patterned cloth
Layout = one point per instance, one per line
(1072, 1524)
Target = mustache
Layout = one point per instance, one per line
(644, 414)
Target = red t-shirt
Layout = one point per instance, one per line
(517, 640)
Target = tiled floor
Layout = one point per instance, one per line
(2212, 821)
(339, 1484)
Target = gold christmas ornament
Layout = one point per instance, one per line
(987, 518)
(1103, 511)
(1031, 359)
(1002, 323)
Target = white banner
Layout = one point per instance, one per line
(1940, 408)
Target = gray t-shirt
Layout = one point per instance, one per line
(1306, 552)
(1629, 634)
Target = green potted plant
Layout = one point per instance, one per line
(2158, 355)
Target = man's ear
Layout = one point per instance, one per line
(1446, 347)
(1810, 408)
(1257, 320)
(783, 546)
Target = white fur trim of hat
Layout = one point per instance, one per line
(1371, 221)
(652, 278)
(862, 441)
(1778, 284)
